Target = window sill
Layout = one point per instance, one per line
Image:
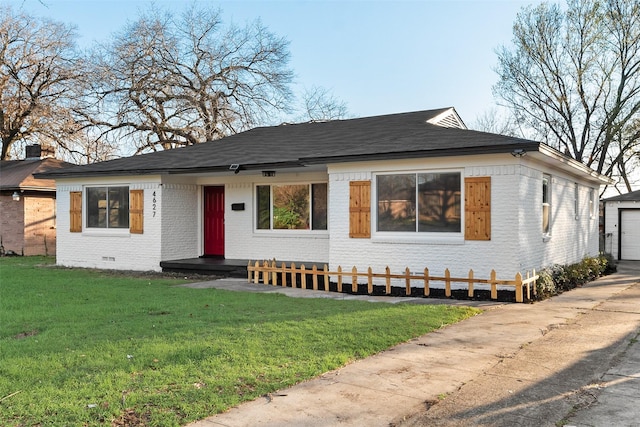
(418, 240)
(296, 234)
(112, 232)
(546, 238)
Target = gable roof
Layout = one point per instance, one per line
(18, 174)
(393, 136)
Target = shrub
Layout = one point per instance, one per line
(545, 286)
(558, 278)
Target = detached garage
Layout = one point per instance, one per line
(622, 226)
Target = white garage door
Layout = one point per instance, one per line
(630, 235)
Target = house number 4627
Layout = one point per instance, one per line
(155, 204)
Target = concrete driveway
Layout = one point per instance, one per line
(573, 359)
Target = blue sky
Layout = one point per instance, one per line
(379, 57)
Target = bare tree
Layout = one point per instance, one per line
(319, 104)
(573, 78)
(165, 82)
(493, 121)
(39, 66)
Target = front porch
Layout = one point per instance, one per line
(217, 266)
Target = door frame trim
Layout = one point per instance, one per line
(202, 210)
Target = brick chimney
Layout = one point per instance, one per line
(37, 151)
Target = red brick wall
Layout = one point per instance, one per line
(27, 226)
(12, 223)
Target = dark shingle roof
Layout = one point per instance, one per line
(18, 174)
(633, 196)
(401, 135)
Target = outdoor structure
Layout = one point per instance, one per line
(403, 190)
(622, 226)
(28, 205)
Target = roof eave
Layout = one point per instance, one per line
(174, 171)
(27, 188)
(99, 173)
(557, 155)
(469, 151)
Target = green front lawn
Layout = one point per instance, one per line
(84, 347)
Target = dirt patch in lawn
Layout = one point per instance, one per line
(26, 334)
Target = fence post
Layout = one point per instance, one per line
(274, 273)
(535, 291)
(294, 275)
(369, 281)
(314, 277)
(256, 274)
(266, 274)
(303, 276)
(326, 278)
(249, 270)
(339, 278)
(519, 297)
(494, 289)
(354, 279)
(387, 273)
(407, 281)
(447, 283)
(283, 274)
(426, 282)
(470, 283)
(528, 286)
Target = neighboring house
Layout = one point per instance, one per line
(28, 205)
(403, 190)
(622, 226)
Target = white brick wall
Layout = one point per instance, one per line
(572, 237)
(173, 230)
(178, 211)
(516, 243)
(416, 251)
(104, 248)
(242, 241)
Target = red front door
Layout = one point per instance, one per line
(214, 221)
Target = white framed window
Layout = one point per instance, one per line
(593, 203)
(291, 206)
(546, 204)
(107, 207)
(419, 202)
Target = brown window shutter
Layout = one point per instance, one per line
(75, 211)
(136, 211)
(360, 209)
(477, 208)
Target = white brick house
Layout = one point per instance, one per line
(413, 189)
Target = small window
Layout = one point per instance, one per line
(291, 207)
(592, 203)
(108, 207)
(419, 202)
(546, 204)
(576, 200)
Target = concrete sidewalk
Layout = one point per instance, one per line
(516, 364)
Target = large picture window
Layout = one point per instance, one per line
(107, 207)
(419, 202)
(291, 207)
